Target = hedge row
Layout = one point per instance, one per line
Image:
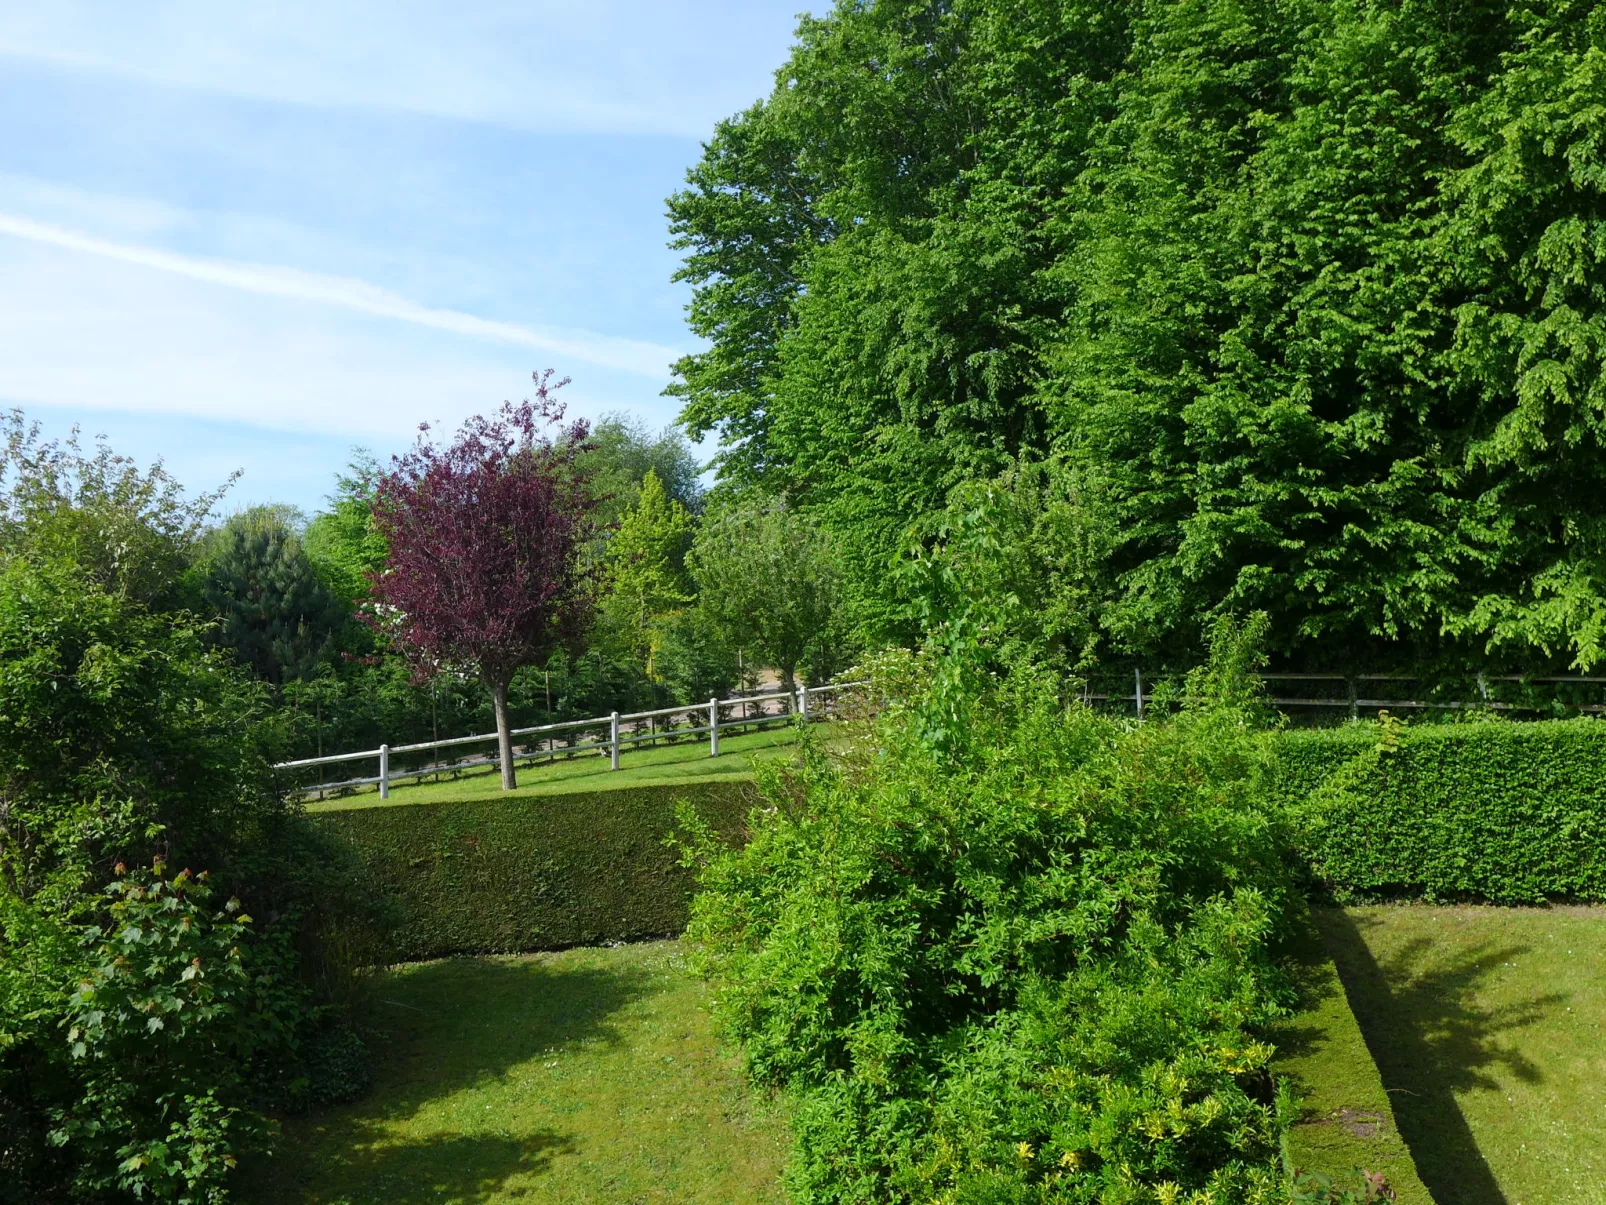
(1503, 812)
(535, 873)
(1508, 813)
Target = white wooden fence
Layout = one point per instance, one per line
(1355, 703)
(605, 734)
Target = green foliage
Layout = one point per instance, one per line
(123, 737)
(1306, 298)
(132, 532)
(342, 542)
(120, 736)
(646, 575)
(1033, 965)
(770, 577)
(1508, 813)
(505, 875)
(619, 455)
(1021, 558)
(696, 658)
(181, 1005)
(1318, 1188)
(274, 610)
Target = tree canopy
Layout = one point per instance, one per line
(1305, 300)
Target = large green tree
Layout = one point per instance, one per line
(1305, 297)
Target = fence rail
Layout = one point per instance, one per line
(806, 703)
(1354, 702)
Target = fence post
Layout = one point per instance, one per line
(803, 703)
(713, 727)
(613, 739)
(1138, 674)
(384, 771)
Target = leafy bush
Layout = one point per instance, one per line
(122, 737)
(1031, 968)
(1509, 813)
(1318, 1188)
(182, 1016)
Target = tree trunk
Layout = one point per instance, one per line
(504, 733)
(789, 677)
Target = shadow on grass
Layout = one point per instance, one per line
(1431, 1038)
(440, 1029)
(442, 1168)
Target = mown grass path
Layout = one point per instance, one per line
(1489, 1029)
(584, 1076)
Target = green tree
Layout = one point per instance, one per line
(1312, 291)
(769, 576)
(274, 609)
(132, 531)
(646, 579)
(619, 454)
(343, 542)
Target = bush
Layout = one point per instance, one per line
(1502, 812)
(504, 875)
(122, 738)
(183, 1014)
(1031, 969)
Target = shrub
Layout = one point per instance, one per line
(123, 738)
(1029, 968)
(181, 1017)
(1508, 813)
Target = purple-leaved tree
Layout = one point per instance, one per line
(485, 536)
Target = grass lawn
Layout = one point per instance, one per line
(584, 1076)
(1346, 1122)
(1489, 1028)
(639, 767)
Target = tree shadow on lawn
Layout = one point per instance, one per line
(1431, 1038)
(440, 1169)
(439, 1029)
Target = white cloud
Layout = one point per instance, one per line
(85, 332)
(657, 66)
(626, 355)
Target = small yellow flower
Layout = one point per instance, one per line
(1070, 1160)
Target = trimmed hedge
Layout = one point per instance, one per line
(1504, 812)
(535, 873)
(1509, 813)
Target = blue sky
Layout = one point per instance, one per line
(254, 236)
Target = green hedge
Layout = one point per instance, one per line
(535, 873)
(1504, 812)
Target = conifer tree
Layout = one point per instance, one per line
(273, 609)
